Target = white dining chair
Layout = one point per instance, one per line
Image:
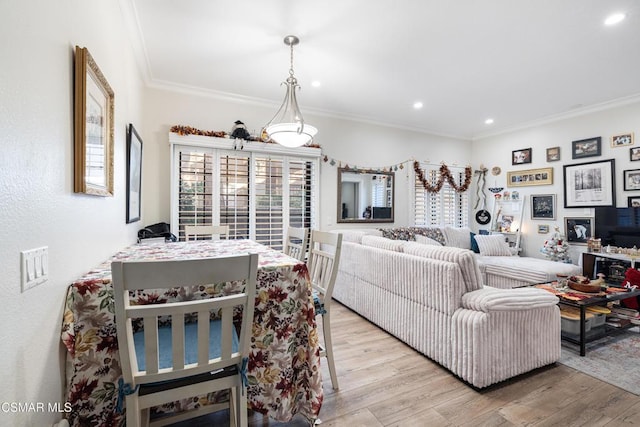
(206, 232)
(193, 355)
(324, 257)
(296, 242)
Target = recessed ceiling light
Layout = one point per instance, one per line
(418, 105)
(315, 83)
(488, 122)
(614, 18)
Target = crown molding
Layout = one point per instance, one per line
(607, 105)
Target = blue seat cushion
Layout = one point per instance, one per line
(318, 305)
(190, 341)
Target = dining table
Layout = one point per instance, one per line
(283, 372)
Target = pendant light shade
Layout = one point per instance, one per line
(287, 127)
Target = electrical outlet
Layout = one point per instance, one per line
(35, 267)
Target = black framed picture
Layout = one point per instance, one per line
(631, 180)
(553, 154)
(578, 230)
(543, 206)
(589, 185)
(633, 201)
(634, 154)
(586, 148)
(520, 157)
(134, 174)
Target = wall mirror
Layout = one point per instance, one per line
(365, 195)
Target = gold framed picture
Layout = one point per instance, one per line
(622, 140)
(93, 128)
(542, 176)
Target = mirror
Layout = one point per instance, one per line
(365, 195)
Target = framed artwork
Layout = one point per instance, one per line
(543, 229)
(587, 185)
(631, 179)
(543, 176)
(578, 230)
(553, 154)
(634, 154)
(93, 128)
(634, 202)
(134, 174)
(543, 206)
(586, 148)
(622, 140)
(520, 157)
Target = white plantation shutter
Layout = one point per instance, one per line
(301, 199)
(195, 188)
(447, 207)
(257, 194)
(269, 190)
(234, 194)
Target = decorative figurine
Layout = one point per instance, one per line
(239, 131)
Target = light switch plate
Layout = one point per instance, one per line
(35, 267)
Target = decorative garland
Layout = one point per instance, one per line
(445, 173)
(188, 130)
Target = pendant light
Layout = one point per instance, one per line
(287, 127)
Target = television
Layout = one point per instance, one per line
(381, 213)
(618, 226)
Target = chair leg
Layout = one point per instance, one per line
(326, 331)
(233, 409)
(238, 400)
(132, 412)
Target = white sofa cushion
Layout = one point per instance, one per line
(355, 235)
(465, 258)
(458, 237)
(383, 243)
(426, 240)
(492, 245)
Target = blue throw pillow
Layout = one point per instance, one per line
(474, 244)
(190, 340)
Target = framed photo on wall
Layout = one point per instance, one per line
(631, 179)
(586, 148)
(520, 157)
(634, 201)
(543, 229)
(542, 176)
(622, 140)
(588, 185)
(134, 174)
(553, 154)
(578, 230)
(543, 206)
(634, 154)
(93, 128)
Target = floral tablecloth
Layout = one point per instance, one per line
(284, 364)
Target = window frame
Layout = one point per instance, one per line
(219, 147)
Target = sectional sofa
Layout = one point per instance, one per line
(433, 298)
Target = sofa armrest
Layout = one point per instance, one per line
(491, 299)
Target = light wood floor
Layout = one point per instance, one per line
(384, 382)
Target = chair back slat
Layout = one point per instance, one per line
(296, 242)
(206, 232)
(324, 256)
(177, 337)
(133, 275)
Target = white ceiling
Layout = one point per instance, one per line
(516, 61)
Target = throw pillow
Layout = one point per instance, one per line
(493, 245)
(434, 233)
(474, 244)
(457, 237)
(427, 240)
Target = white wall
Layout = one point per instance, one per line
(37, 204)
(359, 144)
(496, 151)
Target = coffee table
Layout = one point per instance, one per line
(583, 304)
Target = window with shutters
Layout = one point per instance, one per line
(257, 193)
(447, 207)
